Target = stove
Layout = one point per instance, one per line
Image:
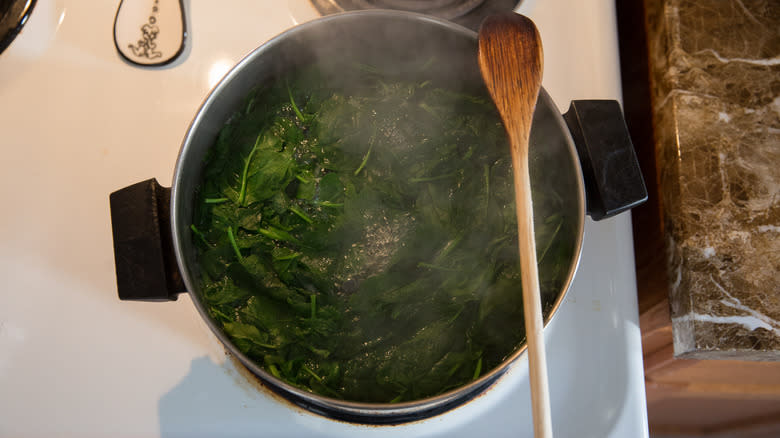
(79, 122)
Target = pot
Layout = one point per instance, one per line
(586, 150)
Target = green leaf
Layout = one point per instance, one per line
(331, 189)
(307, 185)
(224, 292)
(263, 311)
(279, 234)
(246, 337)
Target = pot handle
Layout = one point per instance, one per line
(613, 180)
(146, 268)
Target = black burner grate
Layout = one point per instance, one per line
(469, 13)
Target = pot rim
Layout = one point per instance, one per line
(360, 411)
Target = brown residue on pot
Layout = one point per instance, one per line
(243, 376)
(255, 387)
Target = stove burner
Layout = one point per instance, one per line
(469, 13)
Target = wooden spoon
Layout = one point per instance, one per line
(510, 58)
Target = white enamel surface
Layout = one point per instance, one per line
(149, 32)
(78, 122)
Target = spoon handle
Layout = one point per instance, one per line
(532, 303)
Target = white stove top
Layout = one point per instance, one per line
(78, 123)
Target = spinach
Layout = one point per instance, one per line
(360, 242)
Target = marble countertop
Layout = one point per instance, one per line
(715, 93)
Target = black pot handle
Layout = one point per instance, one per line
(613, 180)
(146, 268)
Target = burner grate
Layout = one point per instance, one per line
(469, 13)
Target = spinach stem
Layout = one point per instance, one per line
(455, 316)
(550, 242)
(274, 371)
(268, 346)
(215, 200)
(313, 374)
(200, 235)
(332, 392)
(331, 204)
(365, 159)
(234, 244)
(365, 67)
(313, 306)
(428, 63)
(295, 107)
(242, 192)
(298, 212)
(277, 234)
(430, 266)
(250, 106)
(487, 190)
(216, 312)
(478, 370)
(292, 256)
(454, 369)
(448, 248)
(428, 109)
(432, 178)
(497, 240)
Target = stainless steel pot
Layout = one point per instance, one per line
(154, 251)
